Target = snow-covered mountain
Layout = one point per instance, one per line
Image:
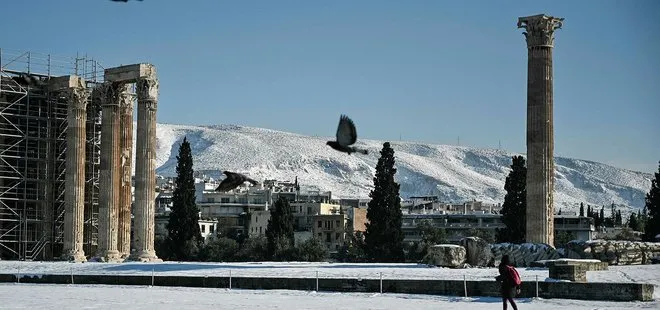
(453, 173)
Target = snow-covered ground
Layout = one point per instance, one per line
(453, 173)
(634, 273)
(32, 296)
(35, 296)
(631, 273)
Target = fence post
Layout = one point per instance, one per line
(465, 286)
(71, 275)
(18, 276)
(537, 286)
(381, 282)
(230, 279)
(152, 276)
(317, 281)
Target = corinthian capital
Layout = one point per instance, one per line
(540, 29)
(147, 89)
(125, 98)
(78, 97)
(107, 93)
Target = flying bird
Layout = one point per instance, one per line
(233, 180)
(346, 136)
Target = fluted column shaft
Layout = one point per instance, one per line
(109, 176)
(74, 197)
(540, 146)
(145, 170)
(540, 129)
(125, 194)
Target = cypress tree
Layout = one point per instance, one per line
(184, 236)
(652, 209)
(633, 223)
(515, 203)
(279, 230)
(581, 209)
(384, 235)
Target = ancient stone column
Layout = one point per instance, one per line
(125, 190)
(109, 175)
(539, 33)
(74, 195)
(145, 170)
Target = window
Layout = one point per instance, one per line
(328, 237)
(337, 236)
(300, 209)
(320, 225)
(224, 200)
(260, 229)
(203, 228)
(211, 199)
(211, 228)
(337, 224)
(309, 210)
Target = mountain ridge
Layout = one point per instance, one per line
(454, 173)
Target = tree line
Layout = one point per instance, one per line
(383, 240)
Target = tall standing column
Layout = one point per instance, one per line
(145, 170)
(109, 175)
(539, 34)
(125, 194)
(74, 196)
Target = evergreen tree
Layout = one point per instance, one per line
(589, 214)
(184, 236)
(279, 231)
(384, 236)
(619, 219)
(581, 209)
(633, 223)
(602, 216)
(514, 207)
(652, 206)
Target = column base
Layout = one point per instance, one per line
(144, 256)
(111, 256)
(74, 257)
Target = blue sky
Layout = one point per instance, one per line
(427, 71)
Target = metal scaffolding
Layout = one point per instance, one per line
(33, 128)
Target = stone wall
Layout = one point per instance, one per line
(570, 290)
(614, 252)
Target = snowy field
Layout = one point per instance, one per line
(23, 296)
(35, 296)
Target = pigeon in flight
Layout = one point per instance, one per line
(233, 180)
(346, 136)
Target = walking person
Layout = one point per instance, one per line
(510, 282)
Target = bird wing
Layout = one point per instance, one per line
(252, 181)
(224, 186)
(230, 182)
(346, 133)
